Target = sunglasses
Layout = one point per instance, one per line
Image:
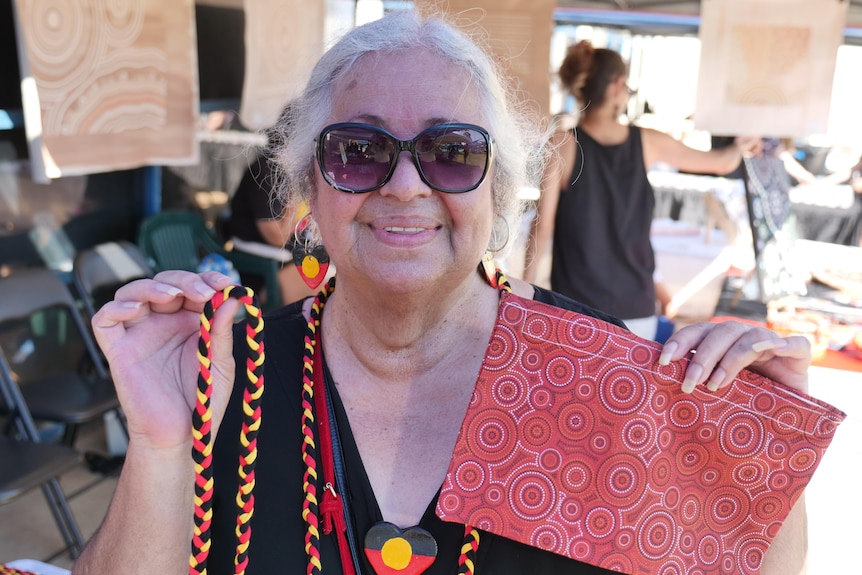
(359, 158)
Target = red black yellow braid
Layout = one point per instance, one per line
(310, 510)
(11, 571)
(202, 432)
(310, 503)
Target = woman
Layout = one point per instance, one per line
(402, 336)
(597, 203)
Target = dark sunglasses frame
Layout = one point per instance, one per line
(401, 146)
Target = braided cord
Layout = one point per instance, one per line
(202, 432)
(467, 559)
(310, 503)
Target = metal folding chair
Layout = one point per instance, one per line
(100, 270)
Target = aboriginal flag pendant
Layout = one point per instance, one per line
(392, 551)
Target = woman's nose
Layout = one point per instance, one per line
(406, 183)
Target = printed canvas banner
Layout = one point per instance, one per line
(107, 85)
(578, 442)
(283, 40)
(767, 66)
(518, 35)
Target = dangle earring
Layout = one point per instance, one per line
(313, 264)
(489, 267)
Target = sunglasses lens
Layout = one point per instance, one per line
(453, 159)
(356, 158)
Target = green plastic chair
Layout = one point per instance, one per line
(179, 240)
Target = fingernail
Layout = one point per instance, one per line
(768, 344)
(204, 289)
(716, 379)
(168, 289)
(692, 377)
(131, 304)
(666, 353)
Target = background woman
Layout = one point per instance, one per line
(597, 203)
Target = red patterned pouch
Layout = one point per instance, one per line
(577, 441)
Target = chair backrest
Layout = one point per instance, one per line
(100, 270)
(177, 240)
(26, 292)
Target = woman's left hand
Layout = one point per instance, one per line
(722, 350)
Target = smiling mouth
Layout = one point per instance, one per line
(400, 230)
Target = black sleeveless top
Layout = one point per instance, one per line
(602, 254)
(278, 530)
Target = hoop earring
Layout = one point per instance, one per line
(311, 264)
(495, 246)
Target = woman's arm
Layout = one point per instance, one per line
(660, 147)
(559, 168)
(149, 334)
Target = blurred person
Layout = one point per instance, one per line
(596, 204)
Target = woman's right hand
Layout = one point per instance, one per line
(149, 334)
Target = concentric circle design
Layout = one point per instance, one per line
(687, 542)
(600, 522)
(660, 471)
(691, 457)
(802, 461)
(764, 402)
(64, 42)
(690, 510)
(710, 476)
(778, 449)
(531, 495)
(576, 477)
(487, 519)
(617, 562)
(727, 507)
(583, 333)
(742, 435)
(768, 507)
(671, 567)
(580, 550)
(536, 429)
(512, 314)
(600, 442)
(683, 414)
(560, 371)
(708, 550)
(533, 360)
(642, 355)
(778, 481)
(539, 327)
(549, 537)
(621, 480)
(470, 476)
(659, 401)
(570, 510)
(670, 498)
(788, 419)
(625, 538)
(501, 349)
(638, 434)
(707, 432)
(541, 398)
(750, 473)
(575, 421)
(494, 495)
(657, 534)
(493, 435)
(450, 502)
(509, 391)
(750, 555)
(550, 460)
(623, 390)
(585, 390)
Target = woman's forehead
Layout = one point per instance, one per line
(405, 88)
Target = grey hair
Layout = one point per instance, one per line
(517, 146)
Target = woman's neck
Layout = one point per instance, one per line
(604, 127)
(401, 336)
